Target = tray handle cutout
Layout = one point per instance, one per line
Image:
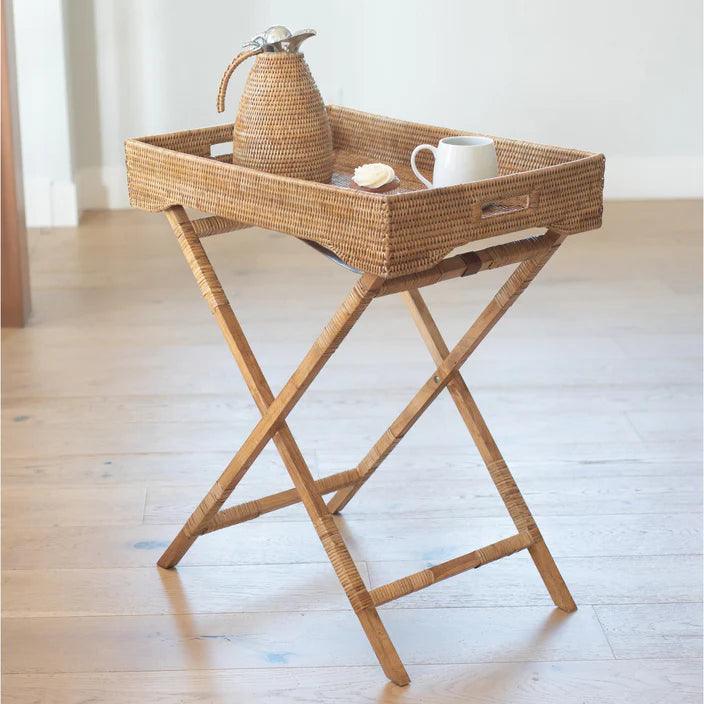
(222, 151)
(509, 204)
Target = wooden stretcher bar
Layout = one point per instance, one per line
(253, 509)
(420, 580)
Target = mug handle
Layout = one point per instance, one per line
(418, 174)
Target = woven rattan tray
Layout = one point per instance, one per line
(399, 232)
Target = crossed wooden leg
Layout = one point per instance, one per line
(209, 515)
(273, 425)
(447, 374)
(498, 470)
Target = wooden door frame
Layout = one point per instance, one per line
(15, 264)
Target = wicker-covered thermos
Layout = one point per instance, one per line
(282, 126)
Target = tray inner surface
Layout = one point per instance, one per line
(345, 163)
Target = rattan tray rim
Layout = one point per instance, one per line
(581, 157)
(387, 234)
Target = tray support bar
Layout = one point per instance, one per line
(469, 263)
(216, 225)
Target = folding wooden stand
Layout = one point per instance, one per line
(530, 254)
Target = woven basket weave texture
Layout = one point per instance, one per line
(282, 126)
(391, 234)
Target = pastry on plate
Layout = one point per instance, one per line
(375, 178)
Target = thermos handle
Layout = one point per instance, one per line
(229, 71)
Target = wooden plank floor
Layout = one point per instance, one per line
(121, 405)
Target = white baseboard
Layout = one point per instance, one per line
(102, 188)
(50, 203)
(653, 177)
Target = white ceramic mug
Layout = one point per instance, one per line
(459, 160)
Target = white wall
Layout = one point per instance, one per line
(617, 76)
(42, 94)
